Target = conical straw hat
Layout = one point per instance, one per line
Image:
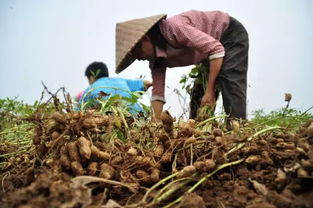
(127, 35)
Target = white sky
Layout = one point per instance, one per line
(54, 41)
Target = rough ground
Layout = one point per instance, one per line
(91, 160)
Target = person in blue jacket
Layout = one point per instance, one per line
(102, 86)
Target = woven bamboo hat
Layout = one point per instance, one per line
(127, 35)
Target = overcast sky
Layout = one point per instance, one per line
(54, 41)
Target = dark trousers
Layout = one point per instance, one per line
(232, 79)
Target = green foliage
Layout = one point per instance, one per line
(197, 75)
(16, 107)
(10, 108)
(289, 118)
(121, 107)
(188, 79)
(15, 134)
(19, 108)
(284, 117)
(113, 102)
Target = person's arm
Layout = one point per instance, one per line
(135, 84)
(157, 108)
(147, 84)
(192, 37)
(186, 35)
(209, 95)
(158, 83)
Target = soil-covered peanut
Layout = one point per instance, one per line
(219, 140)
(209, 164)
(307, 165)
(266, 159)
(37, 137)
(41, 150)
(186, 171)
(64, 158)
(167, 121)
(117, 160)
(100, 121)
(190, 140)
(59, 117)
(73, 151)
(106, 171)
(155, 175)
(161, 135)
(281, 176)
(301, 173)
(145, 161)
(51, 125)
(159, 150)
(191, 123)
(166, 157)
(93, 122)
(284, 145)
(217, 132)
(132, 151)
(55, 135)
(76, 115)
(143, 176)
(84, 147)
(250, 149)
(309, 130)
(92, 168)
(77, 168)
(253, 159)
(204, 166)
(199, 165)
(99, 154)
(185, 130)
(89, 123)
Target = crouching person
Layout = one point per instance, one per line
(101, 87)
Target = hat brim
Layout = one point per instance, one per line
(125, 63)
(128, 35)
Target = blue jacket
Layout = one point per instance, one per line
(113, 86)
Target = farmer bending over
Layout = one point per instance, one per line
(212, 38)
(102, 86)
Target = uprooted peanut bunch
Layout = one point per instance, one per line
(88, 159)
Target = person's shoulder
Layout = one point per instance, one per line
(124, 79)
(98, 82)
(117, 79)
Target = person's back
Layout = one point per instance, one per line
(105, 87)
(102, 86)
